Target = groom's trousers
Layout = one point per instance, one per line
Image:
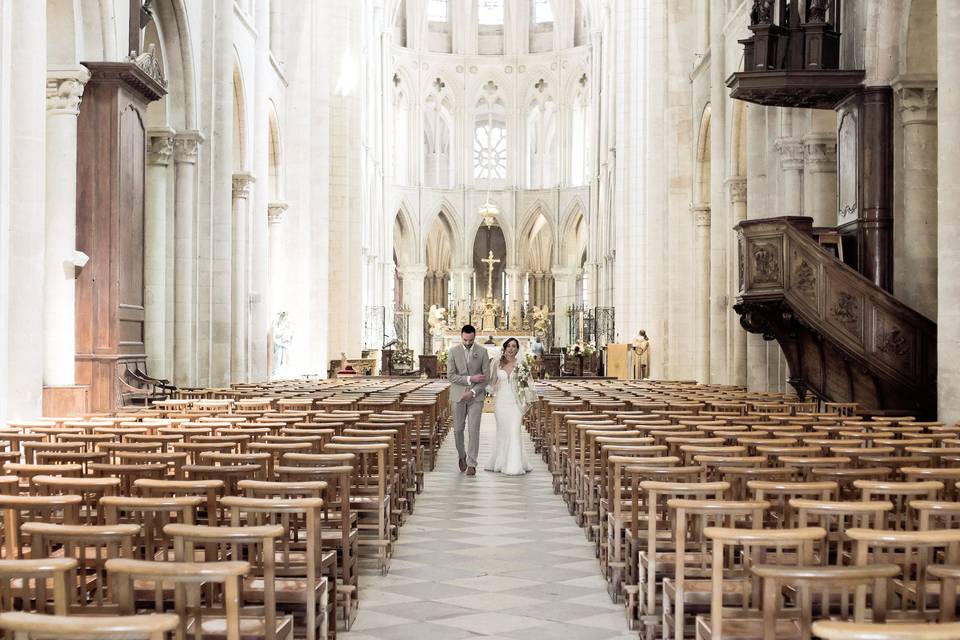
(467, 414)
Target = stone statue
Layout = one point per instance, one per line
(641, 356)
(541, 319)
(282, 332)
(436, 318)
(761, 12)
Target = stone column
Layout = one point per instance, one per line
(240, 284)
(186, 147)
(948, 209)
(565, 282)
(720, 230)
(413, 298)
(64, 92)
(915, 270)
(155, 249)
(791, 166)
(22, 211)
(737, 188)
(820, 178)
(276, 212)
(702, 278)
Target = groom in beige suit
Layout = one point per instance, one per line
(468, 369)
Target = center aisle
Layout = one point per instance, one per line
(490, 556)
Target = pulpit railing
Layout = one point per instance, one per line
(793, 34)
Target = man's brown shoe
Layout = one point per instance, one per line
(463, 465)
(471, 471)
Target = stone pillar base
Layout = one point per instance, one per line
(67, 401)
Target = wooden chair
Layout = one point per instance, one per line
(900, 494)
(689, 587)
(836, 518)
(659, 554)
(735, 553)
(838, 592)
(257, 544)
(151, 515)
(306, 577)
(913, 597)
(36, 585)
(89, 489)
(90, 546)
(779, 494)
(831, 630)
(37, 626)
(206, 611)
(340, 530)
(210, 490)
(369, 496)
(17, 510)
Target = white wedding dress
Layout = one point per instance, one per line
(508, 455)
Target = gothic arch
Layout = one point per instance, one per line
(738, 141)
(239, 119)
(171, 16)
(405, 238)
(447, 215)
(275, 159)
(701, 195)
(918, 38)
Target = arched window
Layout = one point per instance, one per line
(437, 127)
(438, 11)
(490, 138)
(490, 12)
(541, 138)
(542, 11)
(580, 137)
(401, 133)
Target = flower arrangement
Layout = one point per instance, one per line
(442, 356)
(581, 348)
(402, 357)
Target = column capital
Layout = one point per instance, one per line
(276, 211)
(918, 98)
(562, 272)
(241, 184)
(413, 272)
(159, 146)
(65, 89)
(791, 153)
(737, 189)
(820, 153)
(186, 146)
(701, 214)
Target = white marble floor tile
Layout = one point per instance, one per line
(490, 557)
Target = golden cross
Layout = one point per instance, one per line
(490, 261)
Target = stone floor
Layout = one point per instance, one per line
(491, 556)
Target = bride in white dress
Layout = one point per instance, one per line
(508, 455)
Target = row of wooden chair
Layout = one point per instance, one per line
(679, 484)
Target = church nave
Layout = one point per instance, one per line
(490, 556)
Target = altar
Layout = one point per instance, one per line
(490, 341)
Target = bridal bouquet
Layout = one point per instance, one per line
(524, 389)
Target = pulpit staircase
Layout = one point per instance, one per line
(844, 338)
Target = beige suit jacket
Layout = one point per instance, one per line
(460, 368)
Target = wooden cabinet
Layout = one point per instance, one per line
(111, 146)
